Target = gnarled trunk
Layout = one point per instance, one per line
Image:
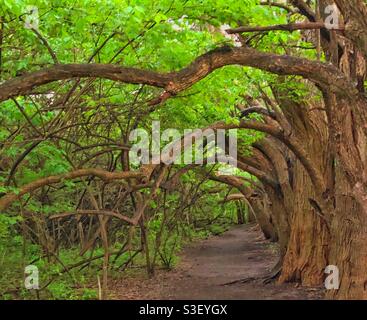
(307, 251)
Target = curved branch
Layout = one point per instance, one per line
(259, 110)
(304, 9)
(294, 145)
(262, 176)
(107, 176)
(324, 75)
(233, 197)
(234, 182)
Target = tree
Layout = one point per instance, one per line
(312, 111)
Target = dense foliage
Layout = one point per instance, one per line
(85, 123)
(78, 77)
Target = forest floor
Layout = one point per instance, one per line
(205, 266)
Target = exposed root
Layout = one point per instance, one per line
(267, 279)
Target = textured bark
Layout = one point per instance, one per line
(307, 250)
(349, 244)
(259, 205)
(300, 212)
(322, 74)
(349, 233)
(280, 216)
(261, 209)
(355, 13)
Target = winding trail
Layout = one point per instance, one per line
(206, 265)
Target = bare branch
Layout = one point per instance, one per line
(282, 27)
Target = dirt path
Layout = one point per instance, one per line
(207, 265)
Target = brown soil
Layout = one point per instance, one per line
(206, 265)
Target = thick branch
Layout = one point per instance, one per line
(322, 74)
(294, 145)
(262, 176)
(304, 9)
(258, 110)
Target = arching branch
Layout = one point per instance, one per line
(323, 75)
(7, 199)
(258, 110)
(294, 145)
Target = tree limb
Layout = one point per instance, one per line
(322, 74)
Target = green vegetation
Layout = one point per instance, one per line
(83, 123)
(78, 77)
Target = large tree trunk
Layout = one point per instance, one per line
(307, 252)
(349, 244)
(349, 221)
